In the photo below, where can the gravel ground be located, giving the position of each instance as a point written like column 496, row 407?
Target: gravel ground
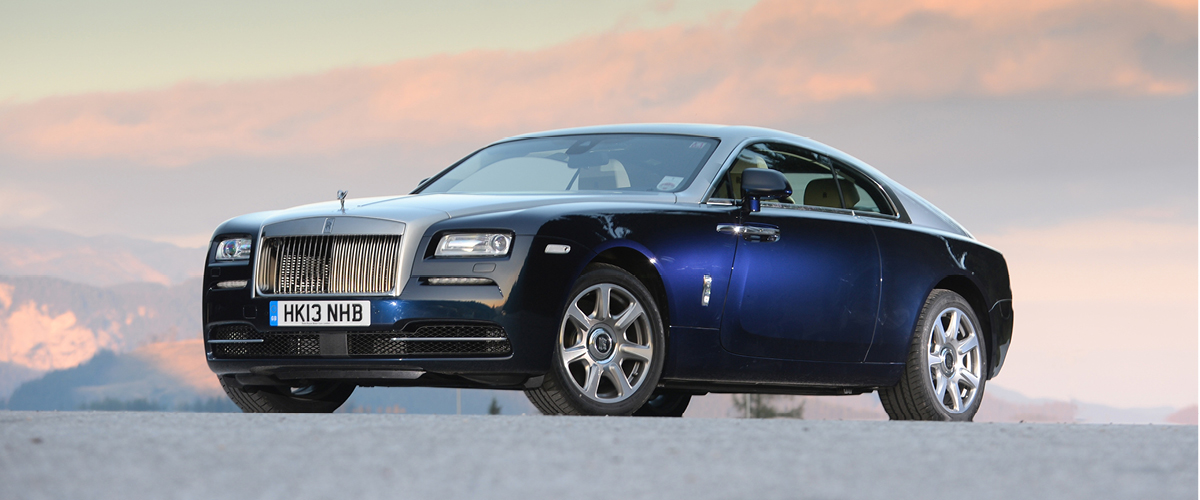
column 99, row 455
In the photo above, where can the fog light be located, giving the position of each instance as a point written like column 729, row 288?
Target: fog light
column 459, row 281
column 232, row 284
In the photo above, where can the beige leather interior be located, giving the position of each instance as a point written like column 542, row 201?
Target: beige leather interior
column 824, row 193
column 608, row 176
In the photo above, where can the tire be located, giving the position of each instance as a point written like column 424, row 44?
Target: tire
column 321, row 397
column 665, row 404
column 934, row 386
column 608, row 355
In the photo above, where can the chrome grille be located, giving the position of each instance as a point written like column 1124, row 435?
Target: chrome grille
column 328, row 264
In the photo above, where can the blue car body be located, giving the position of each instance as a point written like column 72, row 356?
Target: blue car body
column 828, row 307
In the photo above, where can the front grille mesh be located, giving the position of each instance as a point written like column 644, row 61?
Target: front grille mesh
column 432, row 340
column 273, row 345
column 328, row 264
column 428, row 340
column 458, row 331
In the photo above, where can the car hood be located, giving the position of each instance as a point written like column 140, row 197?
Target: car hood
column 433, row 207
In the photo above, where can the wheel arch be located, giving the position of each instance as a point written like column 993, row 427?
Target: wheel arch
column 640, row 265
column 963, row 286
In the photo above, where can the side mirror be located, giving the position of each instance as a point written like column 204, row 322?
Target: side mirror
column 760, row 183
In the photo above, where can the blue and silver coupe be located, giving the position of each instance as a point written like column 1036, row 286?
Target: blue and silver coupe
column 615, row 270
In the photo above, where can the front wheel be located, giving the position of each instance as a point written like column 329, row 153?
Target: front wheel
column 946, row 368
column 318, row 397
column 609, row 350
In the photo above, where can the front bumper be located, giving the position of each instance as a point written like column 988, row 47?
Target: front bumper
column 287, row 354
column 526, row 305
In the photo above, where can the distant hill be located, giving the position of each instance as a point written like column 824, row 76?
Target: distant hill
column 1011, row 406
column 169, row 374
column 13, row 375
column 96, row 260
column 1185, row 416
column 47, row 323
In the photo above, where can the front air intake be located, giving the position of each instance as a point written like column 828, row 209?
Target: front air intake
column 433, row 340
column 241, row 341
column 328, row 264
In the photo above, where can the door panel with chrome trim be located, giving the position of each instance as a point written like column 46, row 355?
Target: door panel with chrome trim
column 812, row 295
column 805, row 282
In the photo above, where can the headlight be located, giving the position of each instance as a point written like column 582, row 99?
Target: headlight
column 235, row 249
column 474, row 245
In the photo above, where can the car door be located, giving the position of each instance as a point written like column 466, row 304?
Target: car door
column 806, row 276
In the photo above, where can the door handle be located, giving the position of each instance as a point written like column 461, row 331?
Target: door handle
column 750, row 233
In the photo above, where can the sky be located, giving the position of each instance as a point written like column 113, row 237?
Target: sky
column 1061, row 132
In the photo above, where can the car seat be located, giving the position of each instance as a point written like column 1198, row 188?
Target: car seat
column 824, row 193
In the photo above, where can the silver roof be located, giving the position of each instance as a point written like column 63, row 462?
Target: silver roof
column 723, row 132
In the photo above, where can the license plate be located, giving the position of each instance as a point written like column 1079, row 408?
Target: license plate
column 321, row 313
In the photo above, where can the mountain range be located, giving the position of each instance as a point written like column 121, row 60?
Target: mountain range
column 48, row 324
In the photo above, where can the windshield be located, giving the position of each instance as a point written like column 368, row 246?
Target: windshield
column 600, row 162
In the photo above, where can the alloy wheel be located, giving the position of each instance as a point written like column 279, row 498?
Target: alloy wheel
column 605, row 343
column 954, row 361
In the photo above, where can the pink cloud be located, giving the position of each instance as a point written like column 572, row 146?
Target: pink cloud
column 761, row 68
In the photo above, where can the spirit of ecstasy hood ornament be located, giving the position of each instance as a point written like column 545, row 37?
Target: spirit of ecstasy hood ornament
column 341, row 194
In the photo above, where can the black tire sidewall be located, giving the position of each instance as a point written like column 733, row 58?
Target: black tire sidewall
column 665, row 404
column 327, row 398
column 594, row 275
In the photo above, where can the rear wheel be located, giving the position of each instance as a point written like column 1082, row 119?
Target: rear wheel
column 609, row 351
column 946, row 371
column 318, row 397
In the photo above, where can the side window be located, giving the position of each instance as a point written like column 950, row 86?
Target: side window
column 861, row 194
column 810, row 174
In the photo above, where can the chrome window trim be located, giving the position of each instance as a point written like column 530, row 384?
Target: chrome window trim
column 843, row 164
column 877, row 215
column 726, row 202
column 806, row 208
